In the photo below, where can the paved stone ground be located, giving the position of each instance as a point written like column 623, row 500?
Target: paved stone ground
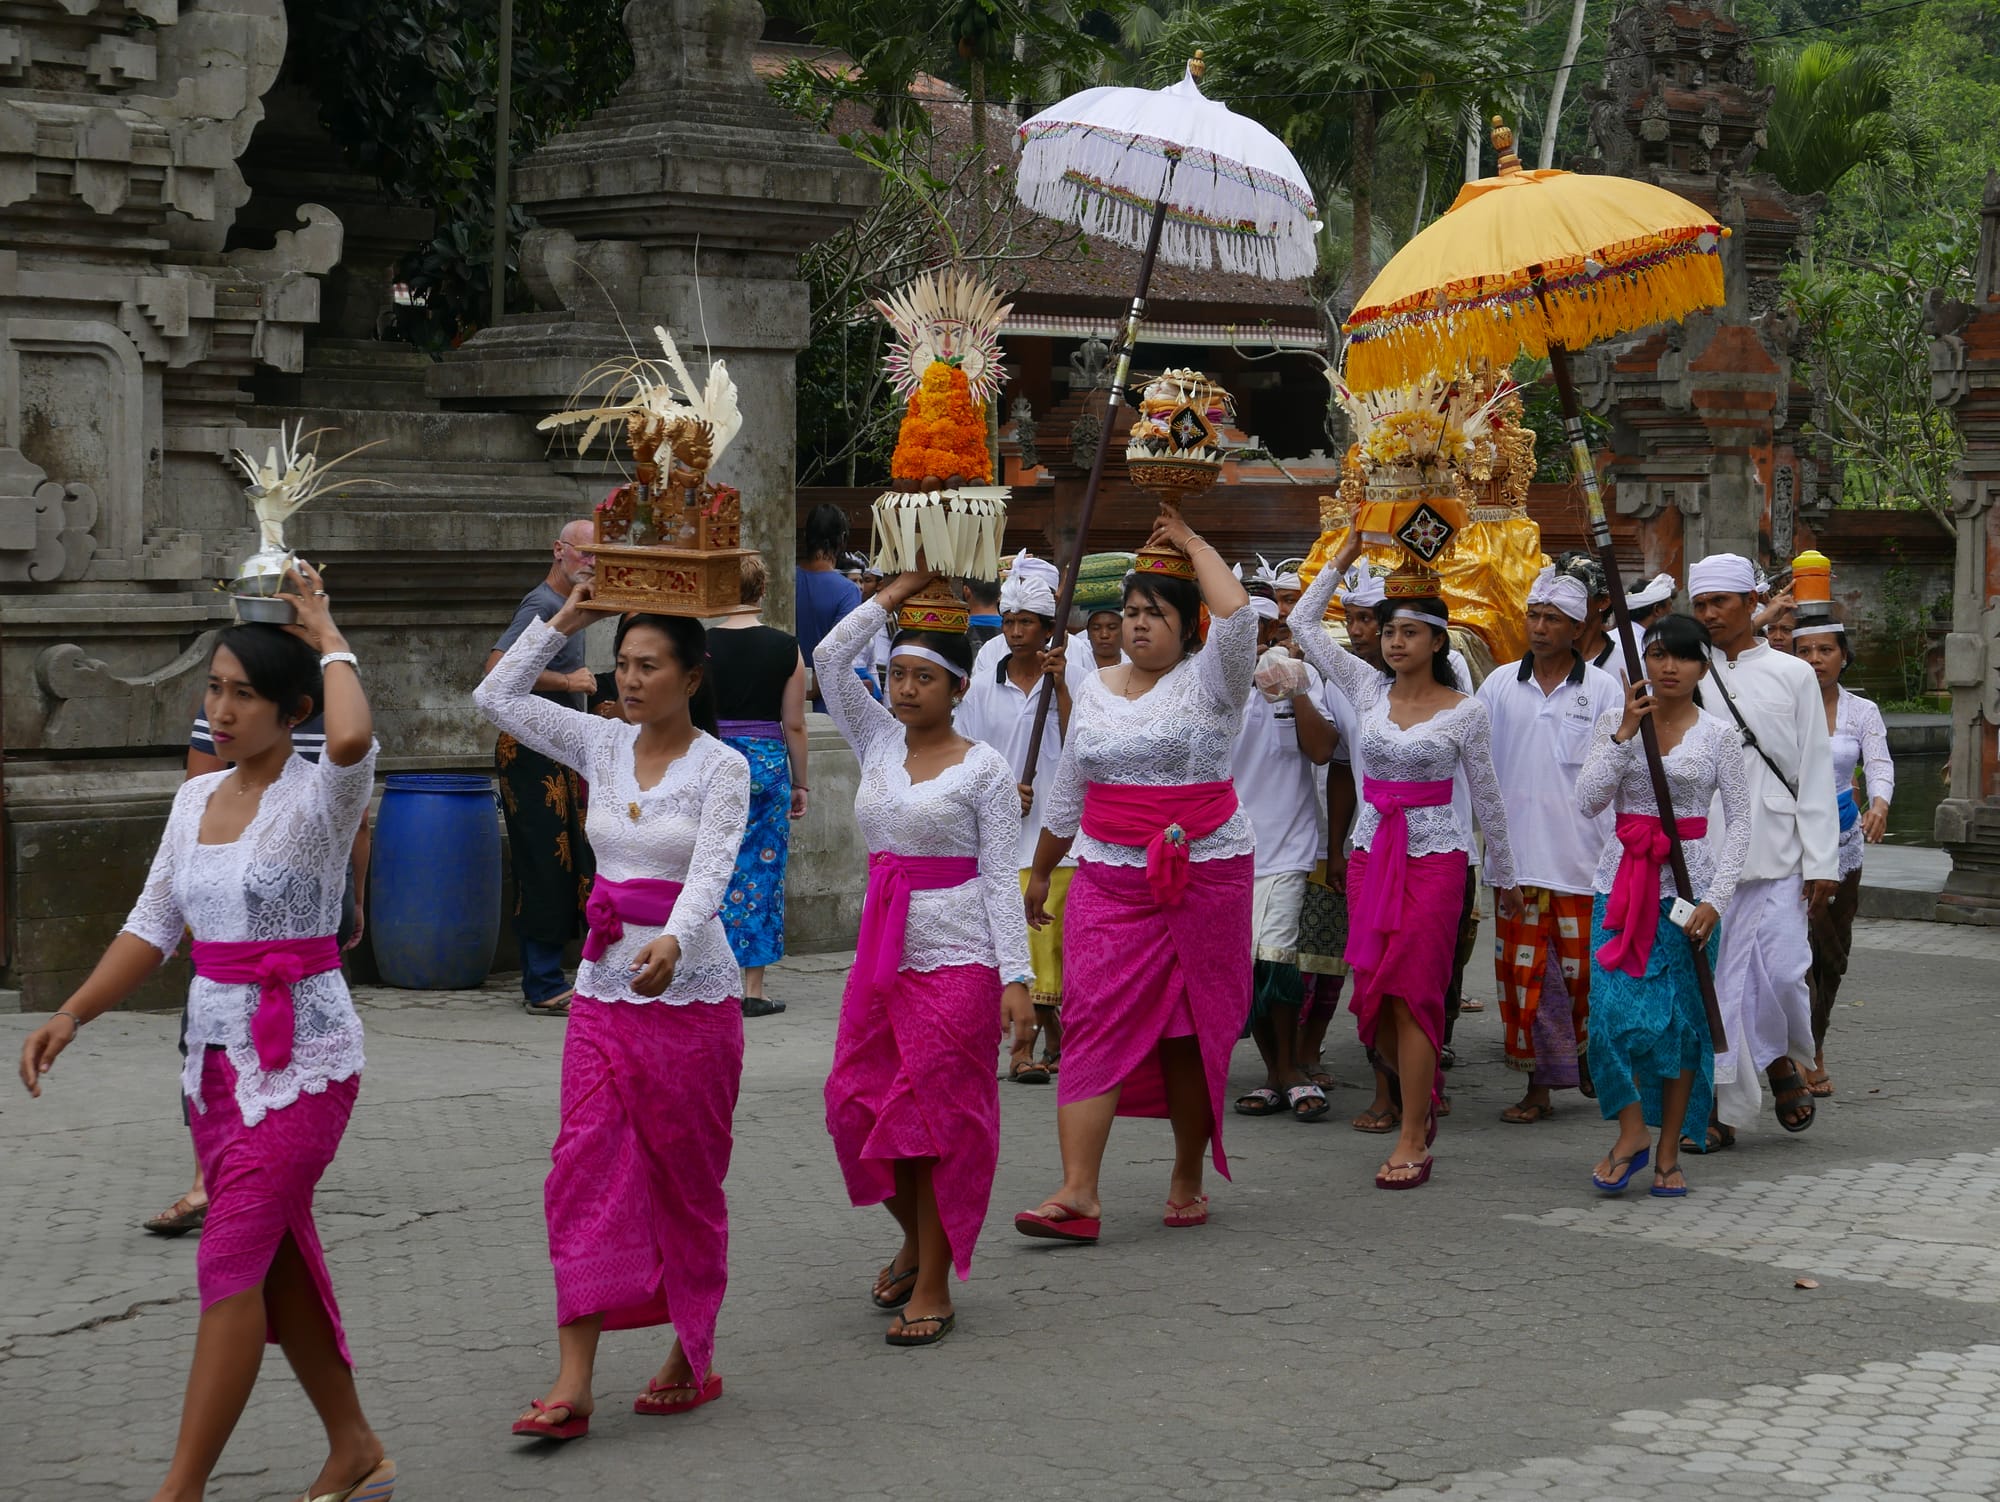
column 1503, row 1333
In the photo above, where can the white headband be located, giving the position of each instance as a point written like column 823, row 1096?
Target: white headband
column 1655, row 591
column 912, row 649
column 1263, row 609
column 1560, row 590
column 1722, row 573
column 1408, row 613
column 1830, row 628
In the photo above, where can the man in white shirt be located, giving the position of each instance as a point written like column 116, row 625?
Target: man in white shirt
column 1283, row 741
column 1543, row 710
column 999, row 708
column 1794, row 860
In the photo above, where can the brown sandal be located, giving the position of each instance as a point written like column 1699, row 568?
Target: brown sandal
column 1378, row 1123
column 179, row 1218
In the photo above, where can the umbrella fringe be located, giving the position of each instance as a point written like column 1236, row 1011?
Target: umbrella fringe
column 1665, row 286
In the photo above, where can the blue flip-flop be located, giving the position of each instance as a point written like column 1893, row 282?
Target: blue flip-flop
column 1660, row 1192
column 1631, row 1165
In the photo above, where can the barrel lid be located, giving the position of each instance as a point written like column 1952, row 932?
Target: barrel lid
column 437, row 782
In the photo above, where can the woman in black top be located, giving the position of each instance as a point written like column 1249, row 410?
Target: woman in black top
column 760, row 691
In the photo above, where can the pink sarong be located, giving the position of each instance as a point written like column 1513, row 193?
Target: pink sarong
column 1136, row 971
column 642, row 899
column 1632, row 913
column 638, row 1222
column 1164, row 820
column 885, row 907
column 260, row 1186
column 273, row 967
column 1416, row 954
column 913, row 1078
column 1378, row 901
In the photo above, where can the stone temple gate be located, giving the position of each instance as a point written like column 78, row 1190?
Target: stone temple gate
column 186, row 261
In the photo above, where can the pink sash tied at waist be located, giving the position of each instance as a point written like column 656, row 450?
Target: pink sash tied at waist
column 273, row 967
column 1379, row 908
column 643, row 899
column 1632, row 912
column 885, row 908
column 1165, row 820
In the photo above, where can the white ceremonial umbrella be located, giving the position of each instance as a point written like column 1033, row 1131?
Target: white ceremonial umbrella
column 1174, row 174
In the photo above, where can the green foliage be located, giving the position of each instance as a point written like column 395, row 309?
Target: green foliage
column 1903, row 624
column 409, row 87
column 1836, row 109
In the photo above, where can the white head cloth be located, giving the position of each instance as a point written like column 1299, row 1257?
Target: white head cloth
column 1271, row 578
column 1263, row 609
column 1361, row 587
column 1722, row 573
column 1030, row 586
column 1660, row 587
column 1823, row 628
column 913, row 649
column 1560, row 590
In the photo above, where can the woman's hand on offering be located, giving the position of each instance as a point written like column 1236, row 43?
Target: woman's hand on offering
column 308, row 600
column 1170, row 529
column 579, row 610
column 893, row 592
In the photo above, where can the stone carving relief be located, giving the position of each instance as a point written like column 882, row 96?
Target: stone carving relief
column 95, row 706
column 44, row 527
column 1784, row 511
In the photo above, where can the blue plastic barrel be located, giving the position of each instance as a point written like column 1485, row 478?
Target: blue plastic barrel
column 434, row 881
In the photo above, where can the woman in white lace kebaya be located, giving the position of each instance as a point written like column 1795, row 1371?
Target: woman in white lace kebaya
column 1860, row 739
column 1156, row 935
column 638, row 1223
column 1406, row 877
column 942, row 959
column 253, row 862
column 1651, row 1055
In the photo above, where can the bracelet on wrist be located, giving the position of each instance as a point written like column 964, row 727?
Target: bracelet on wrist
column 75, row 1022
column 327, row 659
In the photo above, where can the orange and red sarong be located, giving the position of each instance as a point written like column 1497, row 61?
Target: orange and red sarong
column 1550, row 941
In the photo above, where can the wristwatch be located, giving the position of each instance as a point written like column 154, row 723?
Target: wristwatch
column 347, row 657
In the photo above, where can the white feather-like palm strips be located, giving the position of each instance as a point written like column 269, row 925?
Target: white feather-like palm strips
column 666, row 391
column 289, row 477
column 956, row 532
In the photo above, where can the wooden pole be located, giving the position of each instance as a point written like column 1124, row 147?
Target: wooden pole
column 503, row 128
column 1127, row 341
column 1649, row 735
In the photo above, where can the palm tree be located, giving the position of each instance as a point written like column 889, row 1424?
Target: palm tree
column 1834, row 111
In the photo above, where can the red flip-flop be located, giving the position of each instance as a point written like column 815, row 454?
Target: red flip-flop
column 1084, row 1229
column 1193, row 1213
column 572, row 1425
column 654, row 1402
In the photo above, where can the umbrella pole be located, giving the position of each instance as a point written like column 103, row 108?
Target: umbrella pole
column 1128, row 340
column 1649, row 736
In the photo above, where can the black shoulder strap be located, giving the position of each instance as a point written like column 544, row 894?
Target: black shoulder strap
column 1749, row 735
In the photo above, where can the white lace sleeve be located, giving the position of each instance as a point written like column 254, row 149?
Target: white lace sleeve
column 506, row 696
column 1604, row 767
column 1062, row 810
column 725, row 810
column 855, row 711
column 346, row 791
column 999, row 815
column 157, row 917
column 1353, row 676
column 1475, row 755
column 1228, row 659
column 1876, row 764
column 1734, row 787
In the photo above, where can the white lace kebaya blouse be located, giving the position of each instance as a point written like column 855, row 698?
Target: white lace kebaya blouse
column 684, row 828
column 1179, row 731
column 1459, row 739
column 1707, row 762
column 970, row 809
column 282, row 878
column 1860, row 738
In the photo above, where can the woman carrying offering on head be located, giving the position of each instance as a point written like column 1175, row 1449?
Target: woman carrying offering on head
column 1650, row 1052
column 941, row 963
column 1156, row 987
column 1860, row 738
column 253, row 863
column 1406, row 877
column 638, row 1223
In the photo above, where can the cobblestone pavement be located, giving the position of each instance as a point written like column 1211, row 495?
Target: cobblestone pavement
column 1503, row 1333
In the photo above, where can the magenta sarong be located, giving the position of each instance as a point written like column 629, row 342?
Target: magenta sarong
column 1632, row 913
column 260, row 1185
column 273, row 966
column 913, row 1078
column 1136, row 972
column 638, row 1222
column 1416, row 955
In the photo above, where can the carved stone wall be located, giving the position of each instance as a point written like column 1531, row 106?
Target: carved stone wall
column 1965, row 380
column 1708, row 447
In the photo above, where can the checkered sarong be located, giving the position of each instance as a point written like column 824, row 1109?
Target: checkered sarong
column 1552, row 921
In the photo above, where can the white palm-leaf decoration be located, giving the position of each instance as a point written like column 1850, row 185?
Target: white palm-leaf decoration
column 289, row 476
column 662, row 389
column 946, row 316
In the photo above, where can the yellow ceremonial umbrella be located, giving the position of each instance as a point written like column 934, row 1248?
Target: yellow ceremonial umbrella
column 1545, row 262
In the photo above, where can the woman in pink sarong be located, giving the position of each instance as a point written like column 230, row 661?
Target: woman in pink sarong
column 1406, row 878
column 638, row 1223
column 1156, row 936
column 253, row 862
column 912, row 1101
